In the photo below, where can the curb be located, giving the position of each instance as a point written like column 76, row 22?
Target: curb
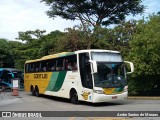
column 144, row 97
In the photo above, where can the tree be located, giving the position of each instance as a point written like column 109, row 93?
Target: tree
column 145, row 55
column 72, row 40
column 17, row 52
column 6, row 59
column 32, row 42
column 95, row 12
column 49, row 43
column 30, row 36
column 116, row 38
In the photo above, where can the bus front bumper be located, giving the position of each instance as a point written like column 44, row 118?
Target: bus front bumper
column 106, row 98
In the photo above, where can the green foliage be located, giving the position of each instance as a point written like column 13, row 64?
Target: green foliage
column 116, row 38
column 74, row 39
column 35, row 45
column 145, row 55
column 14, row 54
column 95, row 12
column 30, row 36
column 49, row 43
column 102, row 38
column 6, row 59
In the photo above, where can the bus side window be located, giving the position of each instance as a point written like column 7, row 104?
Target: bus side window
column 26, row 68
column 36, row 67
column 48, row 67
column 71, row 63
column 40, row 67
column 69, row 67
column 53, row 68
column 74, row 66
column 59, row 64
column 31, row 67
column 44, row 65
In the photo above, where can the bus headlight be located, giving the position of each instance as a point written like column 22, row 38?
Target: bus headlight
column 125, row 89
column 98, row 91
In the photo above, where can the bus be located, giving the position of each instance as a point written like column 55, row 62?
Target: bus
column 8, row 74
column 85, row 75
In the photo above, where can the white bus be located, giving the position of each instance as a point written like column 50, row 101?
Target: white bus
column 85, row 75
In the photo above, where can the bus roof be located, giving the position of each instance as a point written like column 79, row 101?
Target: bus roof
column 9, row 69
column 96, row 50
column 62, row 54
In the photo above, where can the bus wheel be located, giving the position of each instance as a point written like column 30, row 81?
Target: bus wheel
column 74, row 96
column 37, row 91
column 32, row 91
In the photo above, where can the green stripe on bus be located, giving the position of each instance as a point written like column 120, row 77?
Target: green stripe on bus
column 119, row 89
column 66, row 54
column 56, row 81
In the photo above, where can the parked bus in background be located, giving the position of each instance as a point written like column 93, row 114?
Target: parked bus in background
column 7, row 74
column 84, row 75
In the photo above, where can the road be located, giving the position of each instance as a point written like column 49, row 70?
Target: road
column 26, row 102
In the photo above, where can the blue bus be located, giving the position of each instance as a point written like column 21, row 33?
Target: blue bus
column 7, row 74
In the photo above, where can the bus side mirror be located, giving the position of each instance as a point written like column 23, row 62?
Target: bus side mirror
column 131, row 67
column 94, row 66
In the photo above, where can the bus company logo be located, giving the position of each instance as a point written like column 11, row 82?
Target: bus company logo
column 85, row 95
column 72, row 77
column 6, row 114
column 40, row 76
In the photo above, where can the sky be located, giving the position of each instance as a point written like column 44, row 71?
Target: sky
column 23, row 15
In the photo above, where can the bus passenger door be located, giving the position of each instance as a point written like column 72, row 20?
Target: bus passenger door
column 85, row 74
column 85, row 70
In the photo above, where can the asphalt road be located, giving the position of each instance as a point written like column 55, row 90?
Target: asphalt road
column 26, row 102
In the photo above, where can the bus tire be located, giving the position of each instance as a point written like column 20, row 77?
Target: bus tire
column 32, row 91
column 37, row 91
column 74, row 96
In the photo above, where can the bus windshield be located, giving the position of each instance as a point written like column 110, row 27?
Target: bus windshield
column 18, row 74
column 110, row 75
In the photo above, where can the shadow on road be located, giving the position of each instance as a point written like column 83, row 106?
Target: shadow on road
column 64, row 100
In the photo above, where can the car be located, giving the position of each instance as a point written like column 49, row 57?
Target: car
column 5, row 86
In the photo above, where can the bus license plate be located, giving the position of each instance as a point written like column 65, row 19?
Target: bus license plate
column 114, row 97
